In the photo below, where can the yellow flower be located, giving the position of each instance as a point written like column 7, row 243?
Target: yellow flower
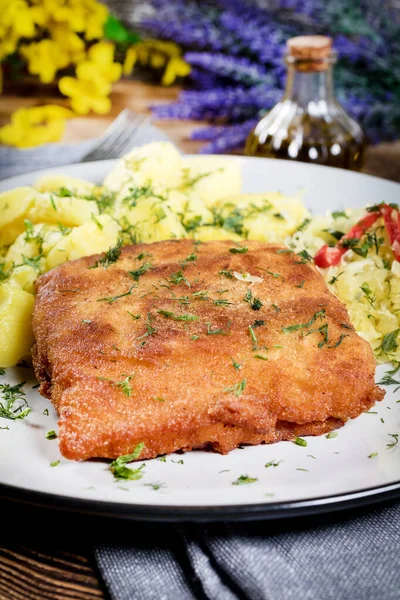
column 45, row 58
column 69, row 42
column 87, row 95
column 100, row 64
column 92, row 85
column 16, row 16
column 33, row 126
column 95, row 22
column 156, row 54
column 176, row 67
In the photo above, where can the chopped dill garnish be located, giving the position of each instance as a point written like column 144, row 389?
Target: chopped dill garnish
column 155, row 486
column 319, row 314
column 258, row 323
column 255, row 303
column 276, row 308
column 124, row 384
column 64, row 230
column 53, row 204
column 135, row 317
column 253, row 337
column 335, row 278
column 389, row 342
column 243, row 479
column 303, row 225
column 46, row 412
column 201, row 295
column 110, row 257
column 51, row 435
column 13, row 404
column 214, row 331
column 331, row 435
column 273, row 463
column 228, row 274
column 305, row 257
column 191, row 258
column 221, row 302
column 373, row 455
column 86, row 321
column 261, row 357
column 55, row 463
column 194, row 337
column 141, row 271
column 368, row 293
column 339, row 213
column 395, row 440
column 97, row 222
column 301, row 285
column 177, row 278
column 171, row 315
column 300, row 442
column 112, row 299
column 149, row 327
column 236, row 365
column 237, row 388
column 121, row 471
column 238, row 250
column 33, row 262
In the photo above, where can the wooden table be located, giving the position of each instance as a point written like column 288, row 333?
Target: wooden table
column 382, row 160
column 49, row 556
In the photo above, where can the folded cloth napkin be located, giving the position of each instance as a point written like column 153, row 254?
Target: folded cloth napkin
column 319, row 558
column 338, row 557
column 13, row 161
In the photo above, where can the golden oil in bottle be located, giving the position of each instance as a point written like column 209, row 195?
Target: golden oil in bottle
column 308, row 124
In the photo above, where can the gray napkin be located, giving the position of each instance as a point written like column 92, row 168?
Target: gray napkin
column 13, row 161
column 340, row 558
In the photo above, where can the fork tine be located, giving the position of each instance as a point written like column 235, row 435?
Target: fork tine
column 117, row 136
column 125, row 141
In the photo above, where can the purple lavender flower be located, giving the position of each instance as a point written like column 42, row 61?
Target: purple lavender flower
column 231, row 138
column 236, row 51
column 237, row 69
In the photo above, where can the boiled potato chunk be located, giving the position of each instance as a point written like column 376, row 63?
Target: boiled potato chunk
column 158, row 163
column 208, row 234
column 211, row 177
column 16, row 338
column 14, row 206
column 154, row 221
column 89, row 238
column 69, row 211
column 25, row 276
column 52, row 183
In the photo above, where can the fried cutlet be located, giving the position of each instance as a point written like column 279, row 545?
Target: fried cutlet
column 185, row 345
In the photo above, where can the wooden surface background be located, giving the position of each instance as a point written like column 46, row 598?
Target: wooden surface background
column 49, row 557
column 382, row 160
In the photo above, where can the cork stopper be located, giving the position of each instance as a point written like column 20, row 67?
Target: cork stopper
column 310, row 52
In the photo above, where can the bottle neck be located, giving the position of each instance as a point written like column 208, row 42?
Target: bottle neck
column 307, row 87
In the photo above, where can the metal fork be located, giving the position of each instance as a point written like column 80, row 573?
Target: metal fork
column 119, row 137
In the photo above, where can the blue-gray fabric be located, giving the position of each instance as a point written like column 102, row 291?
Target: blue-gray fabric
column 15, row 162
column 356, row 558
column 338, row 558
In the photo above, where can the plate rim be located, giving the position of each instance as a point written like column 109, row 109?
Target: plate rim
column 236, row 157
column 201, row 513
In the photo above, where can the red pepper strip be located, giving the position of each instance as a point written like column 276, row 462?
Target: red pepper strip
column 391, row 216
column 328, row 256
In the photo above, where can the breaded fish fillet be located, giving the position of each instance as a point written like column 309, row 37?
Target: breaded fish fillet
column 185, row 345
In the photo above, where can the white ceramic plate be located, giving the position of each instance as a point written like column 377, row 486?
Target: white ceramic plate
column 328, row 474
